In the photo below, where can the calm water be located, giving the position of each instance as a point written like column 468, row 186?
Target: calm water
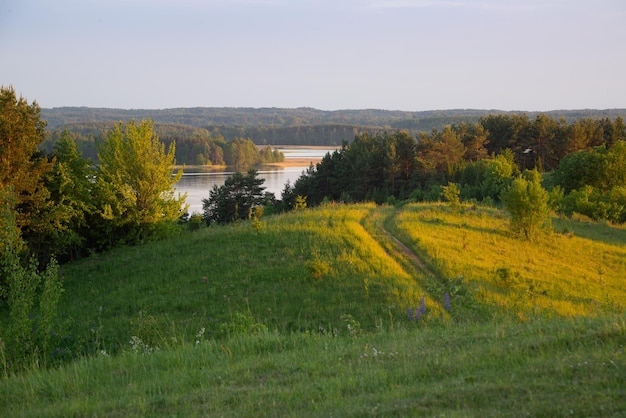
column 197, row 182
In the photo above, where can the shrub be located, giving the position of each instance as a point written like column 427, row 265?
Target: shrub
column 527, row 202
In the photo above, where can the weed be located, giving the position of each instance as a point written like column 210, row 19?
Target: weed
column 146, row 332
column 352, row 325
column 318, row 268
column 242, row 324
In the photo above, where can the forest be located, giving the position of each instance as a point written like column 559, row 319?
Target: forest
column 73, row 192
column 202, row 134
column 582, row 164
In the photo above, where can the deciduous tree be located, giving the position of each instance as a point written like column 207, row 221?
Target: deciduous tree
column 23, row 166
column 135, row 179
column 498, row 174
column 527, row 202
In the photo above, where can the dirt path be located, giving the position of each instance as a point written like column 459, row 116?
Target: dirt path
column 410, row 255
column 398, row 248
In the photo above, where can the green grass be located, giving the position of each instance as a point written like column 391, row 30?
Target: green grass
column 579, row 273
column 546, row 368
column 305, row 314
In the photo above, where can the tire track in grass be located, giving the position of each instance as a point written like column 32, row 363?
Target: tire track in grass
column 464, row 304
column 428, row 280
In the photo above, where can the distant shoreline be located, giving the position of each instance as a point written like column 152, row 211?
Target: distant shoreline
column 295, row 162
column 291, row 162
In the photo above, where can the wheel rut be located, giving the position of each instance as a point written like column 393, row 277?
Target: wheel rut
column 392, row 244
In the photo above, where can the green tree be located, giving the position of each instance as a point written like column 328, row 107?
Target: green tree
column 23, row 166
column 135, row 180
column 71, row 188
column 499, row 174
column 528, row 204
column 614, row 168
column 440, row 150
column 242, row 154
column 452, row 194
column 235, row 200
column 474, row 138
column 31, row 296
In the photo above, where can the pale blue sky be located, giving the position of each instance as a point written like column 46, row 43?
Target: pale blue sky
column 328, row 54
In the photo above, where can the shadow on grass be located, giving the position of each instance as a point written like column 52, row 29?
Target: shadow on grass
column 595, row 231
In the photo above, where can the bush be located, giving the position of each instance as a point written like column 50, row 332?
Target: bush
column 527, row 202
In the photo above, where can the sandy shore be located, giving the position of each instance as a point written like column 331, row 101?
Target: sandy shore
column 295, row 162
column 291, row 162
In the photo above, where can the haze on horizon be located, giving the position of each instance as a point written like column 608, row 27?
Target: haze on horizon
column 409, row 55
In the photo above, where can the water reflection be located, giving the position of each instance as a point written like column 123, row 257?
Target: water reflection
column 197, row 182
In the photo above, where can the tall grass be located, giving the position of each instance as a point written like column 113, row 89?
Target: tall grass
column 305, row 314
column 499, row 369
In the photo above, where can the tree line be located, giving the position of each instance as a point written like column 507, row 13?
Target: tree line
column 60, row 204
column 194, row 146
column 583, row 164
column 65, row 203
column 240, row 117
column 541, row 138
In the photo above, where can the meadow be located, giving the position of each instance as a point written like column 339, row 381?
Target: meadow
column 307, row 314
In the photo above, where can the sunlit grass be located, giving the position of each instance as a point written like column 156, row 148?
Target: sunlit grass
column 295, row 272
column 305, row 314
column 563, row 274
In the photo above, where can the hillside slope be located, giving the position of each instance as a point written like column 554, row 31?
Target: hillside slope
column 306, row 314
column 310, row 271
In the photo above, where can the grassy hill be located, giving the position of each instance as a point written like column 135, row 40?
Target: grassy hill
column 306, row 314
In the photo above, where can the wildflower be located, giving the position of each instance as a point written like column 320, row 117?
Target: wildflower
column 446, row 301
column 418, row 314
column 199, row 335
column 410, row 313
column 423, row 306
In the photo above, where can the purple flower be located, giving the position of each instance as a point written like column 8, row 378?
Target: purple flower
column 423, row 306
column 410, row 313
column 418, row 314
column 446, row 301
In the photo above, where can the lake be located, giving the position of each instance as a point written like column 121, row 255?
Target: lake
column 197, row 182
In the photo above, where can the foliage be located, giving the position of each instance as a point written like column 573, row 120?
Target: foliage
column 32, row 298
column 22, row 168
column 595, row 183
column 451, row 194
column 499, row 173
column 71, row 187
column 237, row 199
column 300, row 203
column 136, row 181
column 242, row 324
column 591, row 202
column 528, row 204
column 440, row 150
column 242, row 154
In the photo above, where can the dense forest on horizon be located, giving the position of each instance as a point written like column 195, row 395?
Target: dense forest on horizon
column 201, row 134
column 244, row 117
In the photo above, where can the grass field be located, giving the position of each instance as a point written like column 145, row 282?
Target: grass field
column 306, row 314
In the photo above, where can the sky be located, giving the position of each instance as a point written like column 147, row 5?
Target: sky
column 525, row 55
